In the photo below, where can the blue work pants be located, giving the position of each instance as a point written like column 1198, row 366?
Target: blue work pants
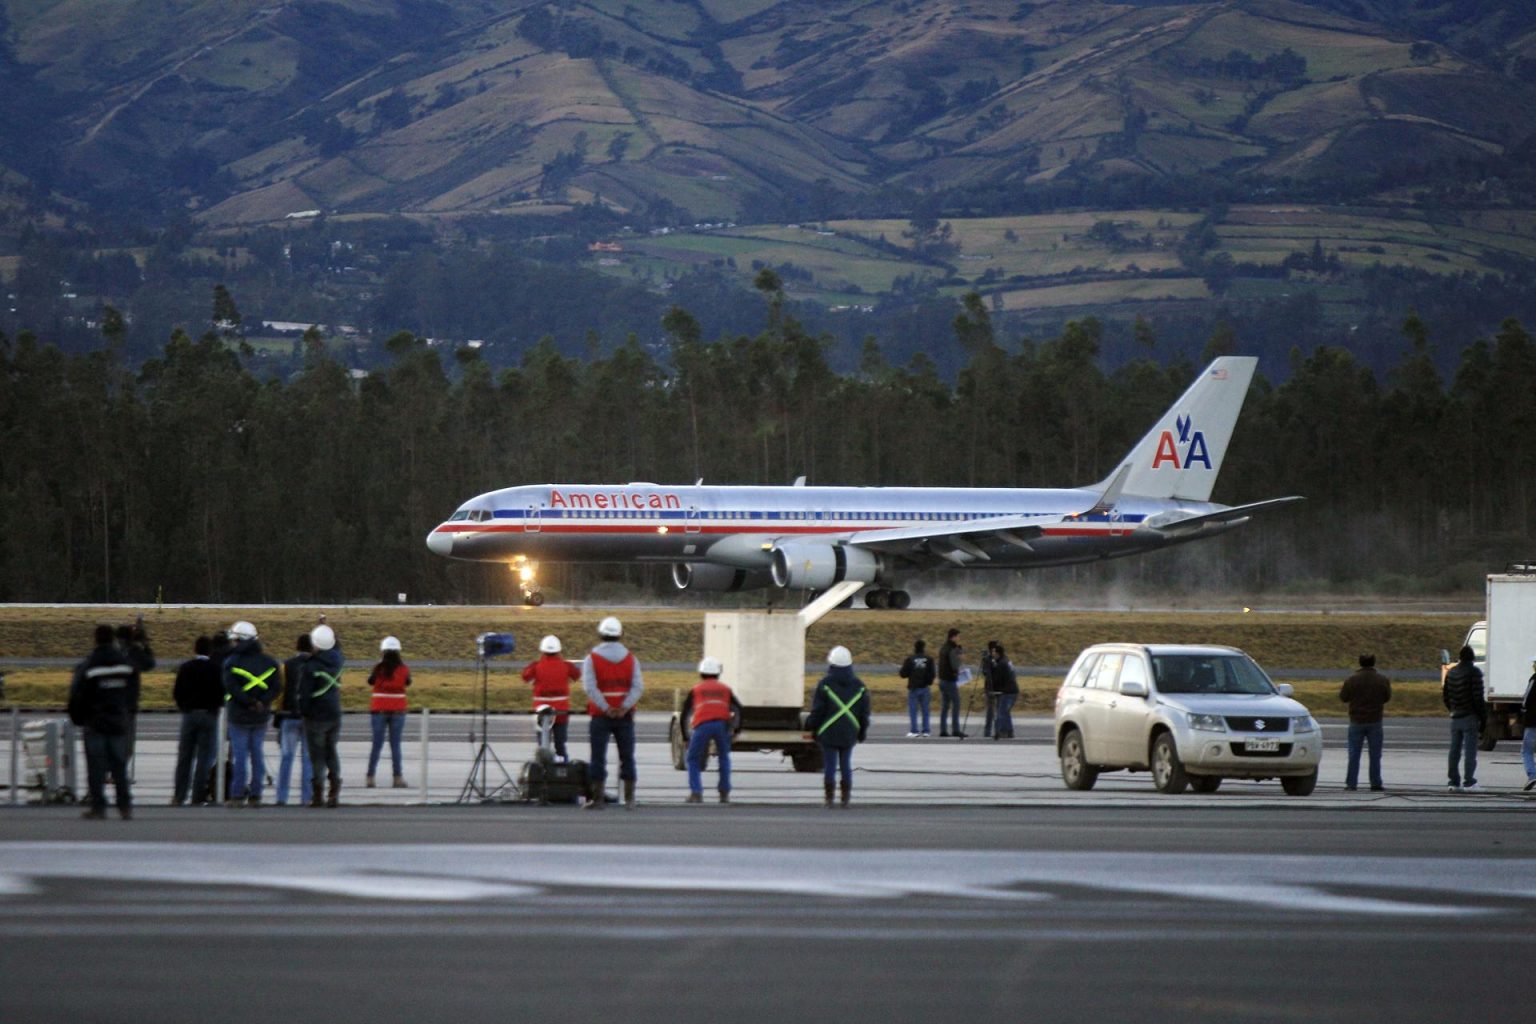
column 623, row 732
column 834, row 757
column 949, row 707
column 394, row 723
column 1003, row 726
column 245, row 742
column 1528, row 752
column 1464, row 730
column 1362, row 734
column 718, row 732
column 920, row 699
column 105, row 754
column 290, row 739
column 196, row 749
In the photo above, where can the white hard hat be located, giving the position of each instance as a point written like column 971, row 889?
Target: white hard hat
column 550, row 644
column 610, row 628
column 710, row 667
column 840, row 656
column 323, row 638
column 242, row 630
column 389, row 643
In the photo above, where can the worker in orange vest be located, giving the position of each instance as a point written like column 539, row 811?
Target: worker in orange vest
column 388, row 679
column 551, row 677
column 710, row 703
column 611, row 677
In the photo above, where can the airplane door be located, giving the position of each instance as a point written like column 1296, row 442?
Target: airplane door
column 531, row 519
column 691, row 522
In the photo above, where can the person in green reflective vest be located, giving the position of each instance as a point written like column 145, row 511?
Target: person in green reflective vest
column 839, row 719
column 320, row 707
column 252, row 684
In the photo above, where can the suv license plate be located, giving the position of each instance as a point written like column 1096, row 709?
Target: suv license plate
column 1261, row 746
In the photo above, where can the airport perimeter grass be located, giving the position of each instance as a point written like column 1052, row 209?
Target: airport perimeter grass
column 1328, row 643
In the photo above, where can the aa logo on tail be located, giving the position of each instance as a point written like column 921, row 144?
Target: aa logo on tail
column 1191, row 442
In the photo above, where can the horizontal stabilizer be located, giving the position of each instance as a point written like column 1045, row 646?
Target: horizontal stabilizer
column 1235, row 514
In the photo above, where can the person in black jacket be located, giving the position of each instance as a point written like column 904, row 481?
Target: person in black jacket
column 291, row 738
column 103, row 700
column 951, row 658
column 320, row 707
column 839, row 719
column 1463, row 697
column 199, row 694
column 1006, row 683
column 918, row 671
column 989, row 686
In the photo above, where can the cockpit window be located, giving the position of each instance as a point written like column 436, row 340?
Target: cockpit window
column 459, row 516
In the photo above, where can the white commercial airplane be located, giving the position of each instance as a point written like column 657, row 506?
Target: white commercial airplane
column 736, row 538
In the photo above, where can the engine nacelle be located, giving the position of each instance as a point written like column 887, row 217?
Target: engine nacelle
column 815, row 566
column 709, row 576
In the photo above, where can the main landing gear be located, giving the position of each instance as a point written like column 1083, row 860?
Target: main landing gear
column 880, row 597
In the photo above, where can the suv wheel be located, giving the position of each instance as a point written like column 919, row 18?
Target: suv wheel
column 1298, row 785
column 1076, row 772
column 1205, row 783
column 1167, row 770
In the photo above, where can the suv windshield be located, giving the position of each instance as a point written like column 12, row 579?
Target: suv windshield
column 1209, row 673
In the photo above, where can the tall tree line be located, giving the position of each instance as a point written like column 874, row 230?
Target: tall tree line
column 196, row 479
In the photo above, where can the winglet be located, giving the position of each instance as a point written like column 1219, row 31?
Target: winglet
column 1111, row 493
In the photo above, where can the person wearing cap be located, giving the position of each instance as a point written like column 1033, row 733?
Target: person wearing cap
column 611, row 677
column 839, row 719
column 1367, row 693
column 918, row 671
column 290, row 726
column 551, row 677
column 709, row 710
column 1528, row 737
column 386, row 708
column 320, row 706
column 251, row 686
column 103, row 700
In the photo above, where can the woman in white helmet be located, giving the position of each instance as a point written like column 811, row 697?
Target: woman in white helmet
column 551, row 676
column 386, row 708
column 839, row 719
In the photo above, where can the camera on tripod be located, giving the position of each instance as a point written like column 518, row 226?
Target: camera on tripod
column 492, row 645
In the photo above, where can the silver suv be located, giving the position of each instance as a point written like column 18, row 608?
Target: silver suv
column 1193, row 715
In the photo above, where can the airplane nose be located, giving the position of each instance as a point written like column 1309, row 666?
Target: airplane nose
column 440, row 542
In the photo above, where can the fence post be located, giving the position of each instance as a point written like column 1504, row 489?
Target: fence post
column 426, row 749
column 218, row 757
column 15, row 754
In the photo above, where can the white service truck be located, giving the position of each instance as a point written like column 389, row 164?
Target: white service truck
column 1503, row 646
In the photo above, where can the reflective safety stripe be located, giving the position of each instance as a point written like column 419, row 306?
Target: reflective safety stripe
column 330, row 682
column 255, row 680
column 842, row 709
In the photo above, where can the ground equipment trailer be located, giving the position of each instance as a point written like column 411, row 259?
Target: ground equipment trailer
column 763, row 654
column 1504, row 645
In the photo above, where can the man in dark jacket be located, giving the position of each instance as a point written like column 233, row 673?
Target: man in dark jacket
column 291, row 738
column 951, row 657
column 251, row 686
column 1463, row 697
column 199, row 694
column 1528, row 737
column 918, row 671
column 1366, row 692
column 103, row 700
column 320, row 707
column 989, row 685
column 839, row 718
column 1006, row 684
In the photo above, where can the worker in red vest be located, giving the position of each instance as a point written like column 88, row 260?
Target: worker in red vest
column 710, row 704
column 611, row 677
column 388, row 679
column 551, row 677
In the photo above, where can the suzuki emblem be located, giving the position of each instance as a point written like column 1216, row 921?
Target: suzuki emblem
column 1259, row 725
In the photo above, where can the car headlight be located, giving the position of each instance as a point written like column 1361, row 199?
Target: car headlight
column 1306, row 723
column 1207, row 723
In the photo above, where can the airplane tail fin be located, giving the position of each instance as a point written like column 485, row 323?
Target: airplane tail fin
column 1181, row 455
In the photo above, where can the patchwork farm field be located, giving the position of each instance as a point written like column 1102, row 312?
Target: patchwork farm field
column 1328, row 643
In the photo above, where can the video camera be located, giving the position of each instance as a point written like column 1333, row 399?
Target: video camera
column 491, row 645
column 134, row 634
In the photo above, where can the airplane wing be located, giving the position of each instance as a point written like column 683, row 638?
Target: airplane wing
column 1236, row 514
column 956, row 542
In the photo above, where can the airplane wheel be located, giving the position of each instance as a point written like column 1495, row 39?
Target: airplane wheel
column 535, row 599
column 900, row 600
column 877, row 599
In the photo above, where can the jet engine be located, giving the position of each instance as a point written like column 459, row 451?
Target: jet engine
column 708, row 576
column 815, row 566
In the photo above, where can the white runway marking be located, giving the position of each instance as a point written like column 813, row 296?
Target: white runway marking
column 460, row 873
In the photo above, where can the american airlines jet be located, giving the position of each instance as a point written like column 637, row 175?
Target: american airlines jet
column 736, row 538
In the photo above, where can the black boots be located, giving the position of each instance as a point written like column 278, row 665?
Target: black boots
column 334, row 797
column 317, row 793
column 847, row 790
column 829, row 788
column 629, row 794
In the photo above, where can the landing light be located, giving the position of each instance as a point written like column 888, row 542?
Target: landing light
column 661, row 529
column 525, row 574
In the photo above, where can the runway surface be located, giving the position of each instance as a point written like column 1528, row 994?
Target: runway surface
column 965, row 883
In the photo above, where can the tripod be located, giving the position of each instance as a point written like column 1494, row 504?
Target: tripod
column 480, row 787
